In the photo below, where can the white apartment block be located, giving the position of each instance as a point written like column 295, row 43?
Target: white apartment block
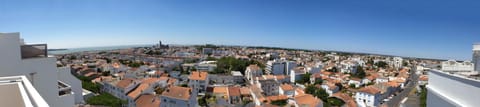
column 314, row 68
column 297, row 74
column 452, row 65
column 280, row 67
column 397, row 62
column 274, row 67
column 55, row 85
column 348, row 66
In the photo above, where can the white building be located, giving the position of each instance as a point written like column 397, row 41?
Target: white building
column 297, row 74
column 314, row 68
column 355, row 81
column 120, row 88
column 348, row 66
column 178, row 97
column 368, row 97
column 198, row 81
column 32, row 61
column 330, row 88
column 237, row 77
column 275, row 67
column 398, row 62
column 202, row 66
column 452, row 65
column 207, row 51
column 286, row 89
column 269, row 86
column 253, row 71
column 381, row 80
column 280, row 67
column 476, row 56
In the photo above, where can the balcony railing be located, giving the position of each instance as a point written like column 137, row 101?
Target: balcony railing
column 34, row 51
column 63, row 89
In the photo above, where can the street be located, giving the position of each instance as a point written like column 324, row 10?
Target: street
column 413, row 78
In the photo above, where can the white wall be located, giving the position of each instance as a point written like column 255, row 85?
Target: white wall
column 370, row 100
column 459, row 90
column 64, row 75
column 45, row 69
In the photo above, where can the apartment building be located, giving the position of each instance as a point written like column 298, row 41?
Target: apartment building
column 452, row 65
column 368, row 97
column 120, row 87
column 17, row 91
column 55, row 85
column 178, row 97
column 280, row 67
column 253, row 71
column 198, row 81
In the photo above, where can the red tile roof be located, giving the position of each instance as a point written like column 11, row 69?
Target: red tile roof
column 148, row 101
column 234, row 91
column 181, row 93
column 308, row 101
column 198, row 75
column 125, row 82
column 369, row 90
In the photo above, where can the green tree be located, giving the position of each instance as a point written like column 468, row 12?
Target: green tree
column 305, row 78
column 159, row 90
column 352, row 86
column 318, row 81
column 106, row 100
column 405, row 63
column 227, row 64
column 202, row 101
column 423, row 97
column 88, row 85
column 335, row 101
column 211, row 59
column 381, row 64
column 317, row 92
column 322, row 94
column 334, row 69
column 360, row 73
column 279, row 102
column 184, row 85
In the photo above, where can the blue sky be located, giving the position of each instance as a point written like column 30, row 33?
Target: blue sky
column 421, row 28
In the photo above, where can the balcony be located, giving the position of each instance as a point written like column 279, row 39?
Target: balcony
column 17, row 91
column 34, row 51
column 64, row 89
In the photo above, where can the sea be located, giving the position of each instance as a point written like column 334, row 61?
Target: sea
column 103, row 48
